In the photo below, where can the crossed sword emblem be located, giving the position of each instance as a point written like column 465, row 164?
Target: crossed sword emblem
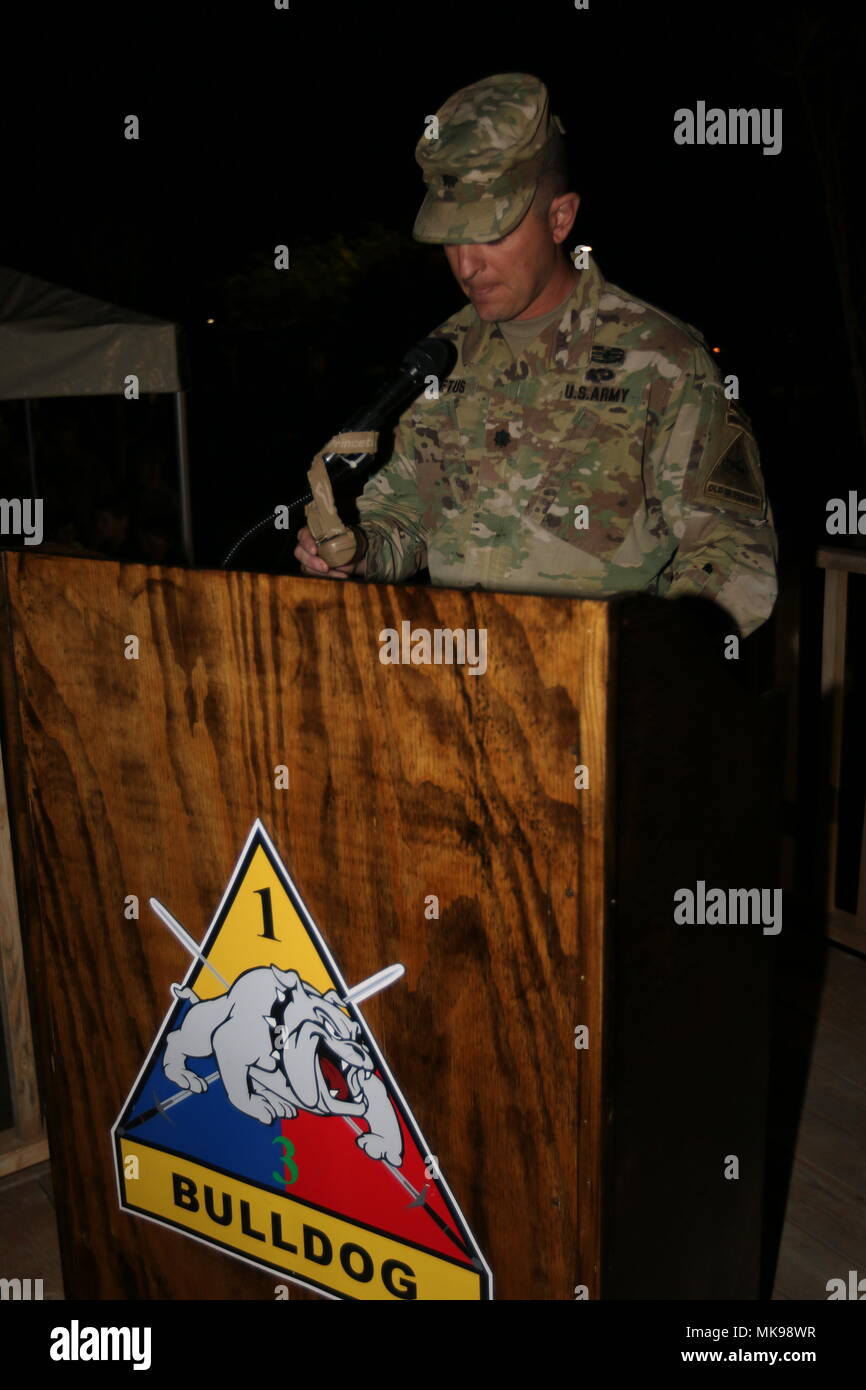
column 372, row 985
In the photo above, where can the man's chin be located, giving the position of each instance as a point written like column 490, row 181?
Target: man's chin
column 487, row 310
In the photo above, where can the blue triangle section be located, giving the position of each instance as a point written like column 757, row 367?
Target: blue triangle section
column 206, row 1126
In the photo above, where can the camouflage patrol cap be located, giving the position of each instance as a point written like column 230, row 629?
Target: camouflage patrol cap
column 495, row 140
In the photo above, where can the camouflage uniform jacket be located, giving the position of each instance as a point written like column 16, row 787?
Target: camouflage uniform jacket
column 605, row 459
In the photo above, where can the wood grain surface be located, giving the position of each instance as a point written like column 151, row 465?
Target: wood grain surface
column 25, row 1138
column 144, row 777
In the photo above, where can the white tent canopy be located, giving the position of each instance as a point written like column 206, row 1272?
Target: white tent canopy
column 56, row 342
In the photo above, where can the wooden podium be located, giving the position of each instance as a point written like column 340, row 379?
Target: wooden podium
column 589, row 1074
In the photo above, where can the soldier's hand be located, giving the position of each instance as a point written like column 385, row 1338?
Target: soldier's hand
column 312, row 564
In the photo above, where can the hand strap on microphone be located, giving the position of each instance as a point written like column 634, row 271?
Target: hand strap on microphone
column 337, row 544
column 353, row 442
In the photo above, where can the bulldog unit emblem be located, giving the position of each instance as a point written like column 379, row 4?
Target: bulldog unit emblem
column 265, row 1120
column 320, row 1062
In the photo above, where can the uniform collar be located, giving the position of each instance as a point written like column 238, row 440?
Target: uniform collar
column 565, row 347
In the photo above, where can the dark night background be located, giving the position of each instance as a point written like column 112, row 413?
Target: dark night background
column 263, row 127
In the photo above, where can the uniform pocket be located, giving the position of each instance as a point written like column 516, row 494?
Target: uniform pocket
column 560, row 440
column 595, row 488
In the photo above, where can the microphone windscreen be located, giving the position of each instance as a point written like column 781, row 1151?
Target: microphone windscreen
column 432, row 357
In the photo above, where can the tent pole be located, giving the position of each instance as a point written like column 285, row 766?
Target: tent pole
column 183, row 474
column 31, row 455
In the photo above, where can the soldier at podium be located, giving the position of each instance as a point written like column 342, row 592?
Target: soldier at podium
column 583, row 443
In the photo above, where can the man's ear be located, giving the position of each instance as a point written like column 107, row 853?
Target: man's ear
column 563, row 211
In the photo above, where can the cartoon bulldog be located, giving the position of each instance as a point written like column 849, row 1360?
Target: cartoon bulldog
column 281, row 1046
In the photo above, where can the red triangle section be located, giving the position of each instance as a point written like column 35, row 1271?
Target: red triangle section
column 334, row 1173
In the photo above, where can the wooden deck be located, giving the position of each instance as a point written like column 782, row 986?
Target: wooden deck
column 824, row 1231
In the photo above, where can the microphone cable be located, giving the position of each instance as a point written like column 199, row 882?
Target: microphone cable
column 345, row 465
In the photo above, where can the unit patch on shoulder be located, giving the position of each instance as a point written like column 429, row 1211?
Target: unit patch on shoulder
column 265, row 1121
column 729, row 478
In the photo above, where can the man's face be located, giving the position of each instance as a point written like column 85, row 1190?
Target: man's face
column 506, row 279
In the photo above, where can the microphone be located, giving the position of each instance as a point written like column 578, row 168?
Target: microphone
column 429, row 357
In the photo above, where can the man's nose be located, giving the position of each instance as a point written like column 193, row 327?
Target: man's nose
column 470, row 259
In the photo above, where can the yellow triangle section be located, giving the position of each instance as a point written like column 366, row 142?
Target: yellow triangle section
column 241, row 944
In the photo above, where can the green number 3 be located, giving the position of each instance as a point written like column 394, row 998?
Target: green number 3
column 290, row 1164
